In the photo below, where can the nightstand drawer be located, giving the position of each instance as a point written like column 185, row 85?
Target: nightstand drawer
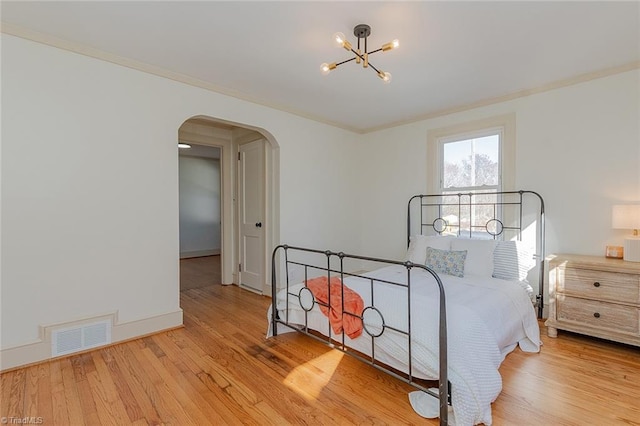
column 611, row 286
column 593, row 313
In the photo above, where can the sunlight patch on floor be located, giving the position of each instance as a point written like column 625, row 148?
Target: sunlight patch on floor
column 310, row 378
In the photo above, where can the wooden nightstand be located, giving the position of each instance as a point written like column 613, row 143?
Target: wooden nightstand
column 595, row 296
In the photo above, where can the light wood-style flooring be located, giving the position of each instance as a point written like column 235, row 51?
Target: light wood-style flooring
column 198, row 272
column 219, row 369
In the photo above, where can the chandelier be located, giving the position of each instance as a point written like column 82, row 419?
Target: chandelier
column 361, row 31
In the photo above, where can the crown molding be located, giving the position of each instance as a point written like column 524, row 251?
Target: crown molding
column 82, row 49
column 79, row 48
column 582, row 78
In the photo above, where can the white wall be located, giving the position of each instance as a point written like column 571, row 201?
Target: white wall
column 88, row 192
column 199, row 197
column 90, row 186
column 578, row 146
column 90, row 180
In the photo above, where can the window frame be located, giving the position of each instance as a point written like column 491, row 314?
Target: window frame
column 499, row 131
column 435, row 145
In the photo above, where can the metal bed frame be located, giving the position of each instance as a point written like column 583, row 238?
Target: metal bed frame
column 443, row 385
column 506, row 215
column 495, row 227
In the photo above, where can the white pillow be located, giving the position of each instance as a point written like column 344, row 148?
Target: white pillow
column 512, row 260
column 479, row 261
column 417, row 251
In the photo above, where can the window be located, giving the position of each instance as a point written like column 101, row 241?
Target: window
column 454, row 144
column 470, row 164
column 472, row 158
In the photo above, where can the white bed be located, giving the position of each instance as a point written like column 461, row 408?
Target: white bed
column 489, row 302
column 487, row 319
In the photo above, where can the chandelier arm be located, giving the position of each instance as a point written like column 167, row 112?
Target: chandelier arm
column 358, row 54
column 374, row 68
column 344, row 62
column 375, row 51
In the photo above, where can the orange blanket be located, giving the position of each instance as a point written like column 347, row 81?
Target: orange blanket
column 353, row 304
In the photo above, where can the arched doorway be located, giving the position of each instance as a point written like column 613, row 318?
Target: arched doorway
column 228, row 136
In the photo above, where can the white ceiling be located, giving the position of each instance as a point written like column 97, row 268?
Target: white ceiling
column 452, row 54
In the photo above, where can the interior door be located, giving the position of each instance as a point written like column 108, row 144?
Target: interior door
column 251, row 208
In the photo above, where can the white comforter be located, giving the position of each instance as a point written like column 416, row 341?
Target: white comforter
column 486, row 319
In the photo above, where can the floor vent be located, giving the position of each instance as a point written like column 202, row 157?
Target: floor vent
column 79, row 338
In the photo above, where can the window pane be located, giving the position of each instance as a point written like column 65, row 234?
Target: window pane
column 472, row 216
column 471, row 162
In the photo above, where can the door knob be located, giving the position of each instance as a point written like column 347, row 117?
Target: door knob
column 259, row 225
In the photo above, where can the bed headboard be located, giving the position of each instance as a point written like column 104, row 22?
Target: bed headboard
column 506, row 215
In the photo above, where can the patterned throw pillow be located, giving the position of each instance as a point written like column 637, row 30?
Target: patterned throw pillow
column 416, row 252
column 446, row 261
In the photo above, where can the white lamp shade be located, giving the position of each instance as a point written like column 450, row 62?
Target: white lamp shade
column 626, row 217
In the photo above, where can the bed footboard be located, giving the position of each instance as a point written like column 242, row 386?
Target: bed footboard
column 332, row 265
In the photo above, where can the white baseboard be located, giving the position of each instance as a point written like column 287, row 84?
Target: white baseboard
column 40, row 350
column 199, row 253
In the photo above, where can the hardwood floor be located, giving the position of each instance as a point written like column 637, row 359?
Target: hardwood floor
column 220, row 369
column 198, row 272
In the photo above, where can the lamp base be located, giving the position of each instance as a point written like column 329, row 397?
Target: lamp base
column 632, row 249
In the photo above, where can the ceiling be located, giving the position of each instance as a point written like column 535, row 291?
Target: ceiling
column 452, row 55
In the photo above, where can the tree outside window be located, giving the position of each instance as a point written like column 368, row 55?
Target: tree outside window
column 471, row 166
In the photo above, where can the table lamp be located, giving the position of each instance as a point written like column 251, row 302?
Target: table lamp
column 628, row 217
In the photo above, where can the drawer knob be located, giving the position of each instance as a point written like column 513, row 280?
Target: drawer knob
column 596, row 284
column 596, row 314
